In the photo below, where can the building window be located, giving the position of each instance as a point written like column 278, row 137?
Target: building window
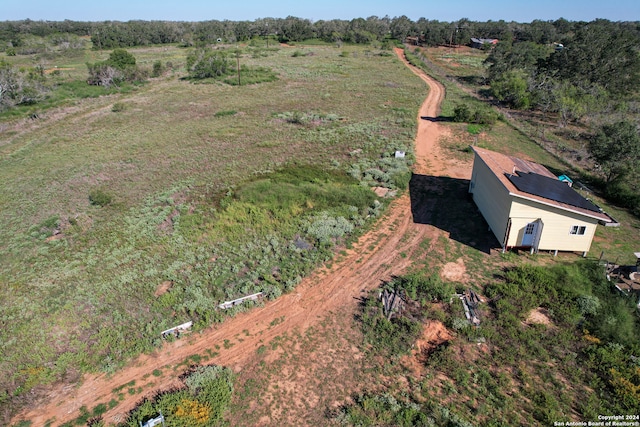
column 578, row 229
column 529, row 229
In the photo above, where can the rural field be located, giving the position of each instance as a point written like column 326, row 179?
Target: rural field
column 212, row 185
column 132, row 212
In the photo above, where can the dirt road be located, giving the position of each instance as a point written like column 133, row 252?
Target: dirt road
column 374, row 258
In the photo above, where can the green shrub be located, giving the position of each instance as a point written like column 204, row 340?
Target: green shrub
column 485, row 117
column 419, row 286
column 213, row 385
column 394, row 337
column 121, row 59
column 401, row 180
column 207, row 63
column 158, row 69
column 118, row 107
column 225, row 113
column 461, row 113
column 588, row 304
column 100, row 197
column 325, row 228
column 474, row 129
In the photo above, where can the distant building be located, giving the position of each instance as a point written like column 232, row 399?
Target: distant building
column 526, row 206
column 415, row 40
column 480, row 43
column 412, row 40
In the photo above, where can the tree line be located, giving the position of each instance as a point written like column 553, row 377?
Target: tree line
column 116, row 34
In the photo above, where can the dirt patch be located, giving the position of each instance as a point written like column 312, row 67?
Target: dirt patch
column 163, row 288
column 539, row 316
column 381, row 191
column 434, row 334
column 455, row 271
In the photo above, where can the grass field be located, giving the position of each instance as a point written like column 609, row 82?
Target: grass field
column 182, row 164
column 219, row 191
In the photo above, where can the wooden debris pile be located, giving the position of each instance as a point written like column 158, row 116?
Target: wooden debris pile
column 470, row 301
column 393, row 302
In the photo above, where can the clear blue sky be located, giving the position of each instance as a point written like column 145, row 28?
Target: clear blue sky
column 235, row 10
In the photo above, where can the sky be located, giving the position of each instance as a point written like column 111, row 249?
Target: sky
column 239, row 10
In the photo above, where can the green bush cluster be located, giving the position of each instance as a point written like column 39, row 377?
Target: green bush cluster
column 201, row 403
column 388, row 171
column 119, row 107
column 482, row 116
column 46, row 228
column 158, row 69
column 386, row 409
column 301, row 118
column 326, row 228
column 120, row 67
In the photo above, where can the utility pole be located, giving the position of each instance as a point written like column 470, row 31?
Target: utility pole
column 238, row 63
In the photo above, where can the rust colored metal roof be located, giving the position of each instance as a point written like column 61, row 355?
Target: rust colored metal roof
column 504, row 166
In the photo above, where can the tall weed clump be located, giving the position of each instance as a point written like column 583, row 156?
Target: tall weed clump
column 202, row 402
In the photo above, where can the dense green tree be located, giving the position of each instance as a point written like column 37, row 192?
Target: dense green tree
column 401, row 27
column 539, row 32
column 242, row 31
column 380, row 27
column 602, row 53
column 616, row 149
column 296, row 29
column 121, row 59
column 506, row 57
column 492, row 30
column 512, row 88
column 433, row 33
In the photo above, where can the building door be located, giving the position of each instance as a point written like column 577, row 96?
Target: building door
column 529, row 234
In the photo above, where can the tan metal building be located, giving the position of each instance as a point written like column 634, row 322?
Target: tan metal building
column 526, row 206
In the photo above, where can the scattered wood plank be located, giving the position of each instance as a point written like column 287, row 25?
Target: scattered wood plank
column 392, row 302
column 154, row 421
column 177, row 330
column 470, row 301
column 228, row 304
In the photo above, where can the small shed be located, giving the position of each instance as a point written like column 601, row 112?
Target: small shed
column 479, row 43
column 526, row 206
